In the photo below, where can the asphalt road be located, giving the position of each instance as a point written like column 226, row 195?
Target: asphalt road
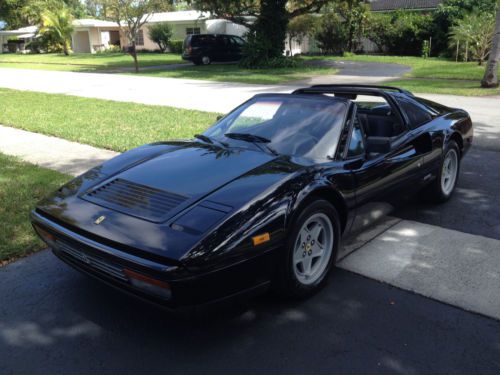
column 475, row 207
column 59, row 321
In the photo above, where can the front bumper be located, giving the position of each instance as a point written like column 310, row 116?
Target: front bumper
column 203, row 287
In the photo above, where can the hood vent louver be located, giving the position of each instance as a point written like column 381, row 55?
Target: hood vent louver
column 134, row 199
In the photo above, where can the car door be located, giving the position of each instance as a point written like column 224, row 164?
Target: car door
column 382, row 179
column 236, row 48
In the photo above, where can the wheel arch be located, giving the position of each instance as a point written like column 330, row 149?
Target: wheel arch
column 457, row 137
column 328, row 194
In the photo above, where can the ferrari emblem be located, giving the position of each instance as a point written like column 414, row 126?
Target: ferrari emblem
column 99, row 220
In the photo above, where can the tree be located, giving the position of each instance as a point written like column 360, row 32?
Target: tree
column 491, row 75
column 402, row 32
column 354, row 14
column 57, row 27
column 160, row 33
column 299, row 28
column 452, row 11
column 131, row 15
column 475, row 31
column 266, row 19
column 331, row 34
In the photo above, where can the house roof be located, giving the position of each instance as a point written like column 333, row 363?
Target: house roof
column 186, row 15
column 388, row 5
column 21, row 31
column 87, row 22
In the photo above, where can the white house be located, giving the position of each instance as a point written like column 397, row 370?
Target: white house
column 25, row 34
column 92, row 35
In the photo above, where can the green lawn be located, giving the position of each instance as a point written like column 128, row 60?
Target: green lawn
column 84, row 61
column 433, row 75
column 21, row 186
column 443, row 86
column 107, row 124
column 233, row 73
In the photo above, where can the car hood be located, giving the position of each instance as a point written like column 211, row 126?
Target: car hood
column 194, row 170
column 141, row 194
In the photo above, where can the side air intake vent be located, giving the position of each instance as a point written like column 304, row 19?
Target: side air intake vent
column 135, row 199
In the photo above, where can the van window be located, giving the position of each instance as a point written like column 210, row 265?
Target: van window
column 202, row 40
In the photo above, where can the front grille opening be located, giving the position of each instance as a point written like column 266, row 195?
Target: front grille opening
column 135, row 199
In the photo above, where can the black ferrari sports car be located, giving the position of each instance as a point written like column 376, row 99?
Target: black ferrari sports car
column 261, row 199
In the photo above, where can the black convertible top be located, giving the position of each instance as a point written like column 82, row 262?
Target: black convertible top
column 361, row 89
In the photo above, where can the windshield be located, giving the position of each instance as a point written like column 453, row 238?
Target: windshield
column 290, row 125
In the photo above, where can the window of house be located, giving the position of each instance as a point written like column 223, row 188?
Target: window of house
column 139, row 39
column 193, row 30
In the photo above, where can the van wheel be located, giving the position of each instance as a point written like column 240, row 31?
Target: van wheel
column 205, row 60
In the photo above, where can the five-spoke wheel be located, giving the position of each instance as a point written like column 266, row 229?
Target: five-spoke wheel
column 313, row 240
column 313, row 248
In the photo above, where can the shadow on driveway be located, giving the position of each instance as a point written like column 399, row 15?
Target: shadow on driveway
column 55, row 320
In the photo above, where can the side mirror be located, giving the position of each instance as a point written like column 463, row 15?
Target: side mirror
column 220, row 117
column 378, row 145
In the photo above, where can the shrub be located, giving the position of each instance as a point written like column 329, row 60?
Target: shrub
column 331, row 34
column 402, row 32
column 160, row 33
column 175, row 46
column 473, row 35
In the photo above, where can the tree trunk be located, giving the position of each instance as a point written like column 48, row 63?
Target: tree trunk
column 490, row 78
column 271, row 27
column 133, row 53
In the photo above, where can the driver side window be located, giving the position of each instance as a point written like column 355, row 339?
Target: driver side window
column 356, row 143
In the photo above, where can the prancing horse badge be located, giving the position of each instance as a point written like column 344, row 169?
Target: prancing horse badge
column 99, row 220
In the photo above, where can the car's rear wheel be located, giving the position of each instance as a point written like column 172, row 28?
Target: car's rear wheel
column 311, row 250
column 444, row 185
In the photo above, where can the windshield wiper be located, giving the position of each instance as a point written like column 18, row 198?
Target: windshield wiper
column 255, row 139
column 204, row 138
column 207, row 139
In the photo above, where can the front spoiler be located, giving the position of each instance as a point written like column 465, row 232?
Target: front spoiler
column 198, row 290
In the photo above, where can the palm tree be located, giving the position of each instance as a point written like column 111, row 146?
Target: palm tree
column 58, row 27
column 491, row 75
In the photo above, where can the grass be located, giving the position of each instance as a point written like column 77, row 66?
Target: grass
column 432, row 75
column 233, row 73
column 107, row 124
column 84, row 61
column 443, row 86
column 21, row 186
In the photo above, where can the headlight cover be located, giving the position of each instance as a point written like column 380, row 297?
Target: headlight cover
column 201, row 218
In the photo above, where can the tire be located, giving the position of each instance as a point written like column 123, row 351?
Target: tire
column 443, row 187
column 300, row 272
column 206, row 60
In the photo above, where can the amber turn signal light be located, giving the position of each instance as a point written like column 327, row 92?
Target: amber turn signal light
column 261, row 238
column 44, row 235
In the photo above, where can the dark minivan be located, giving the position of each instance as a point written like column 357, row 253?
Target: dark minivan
column 205, row 48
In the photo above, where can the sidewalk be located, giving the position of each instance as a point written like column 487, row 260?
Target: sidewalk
column 51, row 152
column 457, row 268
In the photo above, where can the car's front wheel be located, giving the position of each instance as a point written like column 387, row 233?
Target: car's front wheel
column 311, row 250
